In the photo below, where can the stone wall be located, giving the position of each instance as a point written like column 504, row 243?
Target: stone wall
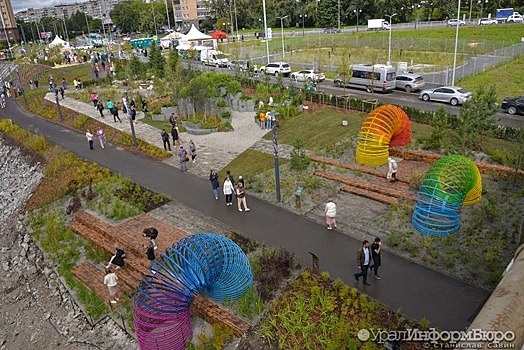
column 37, row 309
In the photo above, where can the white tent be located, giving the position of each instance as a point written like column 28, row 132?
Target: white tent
column 57, row 41
column 168, row 40
column 195, row 34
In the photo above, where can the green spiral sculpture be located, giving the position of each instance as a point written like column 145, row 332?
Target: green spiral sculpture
column 452, row 181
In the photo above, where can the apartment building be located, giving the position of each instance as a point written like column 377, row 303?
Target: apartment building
column 188, row 12
column 93, row 8
column 8, row 23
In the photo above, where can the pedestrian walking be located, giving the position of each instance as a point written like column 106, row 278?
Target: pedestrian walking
column 132, row 114
column 64, row 83
column 330, row 210
column 375, row 255
column 111, row 281
column 94, row 99
column 144, row 105
column 228, row 190
column 174, row 134
column 89, row 137
column 62, row 92
column 75, row 84
column 392, row 169
column 117, row 260
column 165, row 139
column 183, row 158
column 363, row 260
column 100, row 108
column 114, row 112
column 172, row 119
column 213, row 177
column 101, row 136
column 241, row 197
column 192, row 150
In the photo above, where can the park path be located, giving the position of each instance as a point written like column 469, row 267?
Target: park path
column 414, row 290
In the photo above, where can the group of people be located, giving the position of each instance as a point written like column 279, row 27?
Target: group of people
column 117, row 262
column 267, row 119
column 100, row 135
column 230, row 189
column 128, row 107
column 368, row 257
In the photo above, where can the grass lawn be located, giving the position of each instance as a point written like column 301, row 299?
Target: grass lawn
column 508, row 79
column 249, row 163
column 318, row 129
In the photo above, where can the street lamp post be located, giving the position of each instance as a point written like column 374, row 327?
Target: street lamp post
column 456, row 45
column 168, row 20
column 389, row 42
column 303, row 16
column 265, row 29
column 357, row 12
column 282, row 30
column 339, row 15
column 481, row 2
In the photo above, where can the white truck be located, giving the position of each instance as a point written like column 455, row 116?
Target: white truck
column 213, row 58
column 378, row 24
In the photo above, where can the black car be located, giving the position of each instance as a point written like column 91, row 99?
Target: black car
column 513, row 105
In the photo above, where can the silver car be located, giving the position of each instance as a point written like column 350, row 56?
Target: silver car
column 410, row 82
column 451, row 94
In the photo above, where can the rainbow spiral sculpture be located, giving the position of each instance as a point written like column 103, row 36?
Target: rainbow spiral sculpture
column 451, row 182
column 203, row 262
column 384, row 126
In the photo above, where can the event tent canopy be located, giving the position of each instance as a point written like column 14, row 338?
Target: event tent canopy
column 57, row 41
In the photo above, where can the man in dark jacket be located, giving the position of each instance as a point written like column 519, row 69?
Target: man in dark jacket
column 213, row 177
column 363, row 260
column 375, row 254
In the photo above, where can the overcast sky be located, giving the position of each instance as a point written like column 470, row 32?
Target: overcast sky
column 20, row 5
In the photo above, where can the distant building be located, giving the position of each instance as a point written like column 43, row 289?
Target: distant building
column 94, row 8
column 8, row 22
column 188, row 12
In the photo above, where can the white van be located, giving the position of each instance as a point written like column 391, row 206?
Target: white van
column 213, row 58
column 372, row 77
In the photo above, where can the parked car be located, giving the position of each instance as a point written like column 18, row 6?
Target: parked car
column 483, row 21
column 451, row 94
column 276, row 69
column 513, row 105
column 241, row 65
column 453, row 22
column 330, row 30
column 410, row 82
column 308, row 75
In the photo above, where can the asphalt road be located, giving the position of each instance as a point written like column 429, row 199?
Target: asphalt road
column 397, row 97
column 412, row 289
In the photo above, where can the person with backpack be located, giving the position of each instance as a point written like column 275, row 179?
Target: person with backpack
column 183, row 158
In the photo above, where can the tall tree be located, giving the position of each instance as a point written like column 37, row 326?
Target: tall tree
column 157, row 62
column 475, row 121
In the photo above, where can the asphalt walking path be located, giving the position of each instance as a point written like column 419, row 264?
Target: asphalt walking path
column 410, row 288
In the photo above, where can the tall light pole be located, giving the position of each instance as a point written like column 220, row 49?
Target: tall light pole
column 389, row 44
column 282, row 28
column 236, row 19
column 482, row 6
column 87, row 23
column 265, row 29
column 456, row 45
column 357, row 12
column 339, row 15
column 303, row 16
column 168, row 20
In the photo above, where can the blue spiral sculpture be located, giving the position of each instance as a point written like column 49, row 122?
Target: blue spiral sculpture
column 450, row 182
column 203, row 262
